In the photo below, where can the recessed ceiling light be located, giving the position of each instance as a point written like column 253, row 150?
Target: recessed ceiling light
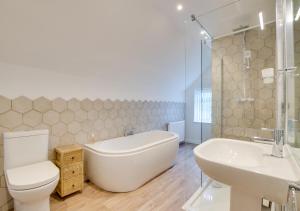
column 261, row 20
column 297, row 15
column 179, row 7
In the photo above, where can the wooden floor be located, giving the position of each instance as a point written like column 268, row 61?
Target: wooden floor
column 167, row 192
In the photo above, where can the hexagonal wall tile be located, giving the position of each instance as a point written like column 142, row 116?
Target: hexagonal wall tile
column 81, row 138
column 66, row 139
column 99, row 124
column 256, row 44
column 108, row 123
column 117, row 104
column 87, row 125
column 59, row 129
column 74, row 127
column 51, row 117
column 98, row 104
column 104, row 114
column 92, row 115
column 5, row 104
column 22, row 104
column 80, row 115
column 226, row 42
column 103, row 134
column 113, row 114
column 42, row 126
column 32, row 118
column 265, row 53
column 10, row 119
column 74, row 104
column 86, row 104
column 42, row 104
column 108, row 104
column 67, row 116
column 22, row 128
column 266, row 93
column 59, row 104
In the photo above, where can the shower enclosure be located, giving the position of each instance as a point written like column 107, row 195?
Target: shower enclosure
column 198, row 92
column 288, row 83
column 198, row 85
column 288, row 61
column 241, row 108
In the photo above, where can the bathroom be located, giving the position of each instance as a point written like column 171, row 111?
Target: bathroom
column 150, row 105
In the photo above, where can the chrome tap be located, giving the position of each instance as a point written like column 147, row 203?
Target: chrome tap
column 128, row 131
column 278, row 141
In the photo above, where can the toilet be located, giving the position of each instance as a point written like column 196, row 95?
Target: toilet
column 30, row 176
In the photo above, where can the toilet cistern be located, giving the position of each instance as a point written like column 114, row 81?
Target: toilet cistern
column 29, row 175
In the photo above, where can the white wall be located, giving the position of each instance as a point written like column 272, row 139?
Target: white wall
column 127, row 49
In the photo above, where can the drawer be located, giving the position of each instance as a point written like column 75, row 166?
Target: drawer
column 69, row 158
column 72, row 171
column 72, row 185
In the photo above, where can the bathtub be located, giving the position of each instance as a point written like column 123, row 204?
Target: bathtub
column 126, row 163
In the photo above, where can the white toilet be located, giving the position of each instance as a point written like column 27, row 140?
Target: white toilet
column 30, row 177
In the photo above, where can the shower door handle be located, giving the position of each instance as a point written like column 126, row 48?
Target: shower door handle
column 290, row 69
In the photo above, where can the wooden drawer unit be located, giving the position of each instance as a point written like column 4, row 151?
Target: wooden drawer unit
column 70, row 171
column 70, row 161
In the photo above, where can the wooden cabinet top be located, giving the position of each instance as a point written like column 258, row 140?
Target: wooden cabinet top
column 68, row 148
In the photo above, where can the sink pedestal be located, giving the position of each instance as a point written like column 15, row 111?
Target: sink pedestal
column 242, row 201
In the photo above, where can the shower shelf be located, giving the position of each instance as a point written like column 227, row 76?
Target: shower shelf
column 246, row 99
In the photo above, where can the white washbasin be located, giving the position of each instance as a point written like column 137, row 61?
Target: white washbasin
column 249, row 169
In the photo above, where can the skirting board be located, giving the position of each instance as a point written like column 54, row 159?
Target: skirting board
column 193, row 141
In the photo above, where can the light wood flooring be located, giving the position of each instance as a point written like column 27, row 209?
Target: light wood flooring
column 167, row 192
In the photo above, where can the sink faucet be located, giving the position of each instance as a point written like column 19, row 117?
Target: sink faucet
column 277, row 150
column 278, row 141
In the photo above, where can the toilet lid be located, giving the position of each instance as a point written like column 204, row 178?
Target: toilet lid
column 31, row 176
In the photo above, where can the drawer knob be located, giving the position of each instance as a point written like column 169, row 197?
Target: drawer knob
column 73, row 185
column 72, row 158
column 73, row 172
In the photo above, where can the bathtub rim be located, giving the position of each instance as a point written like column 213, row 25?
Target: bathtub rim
column 134, row 150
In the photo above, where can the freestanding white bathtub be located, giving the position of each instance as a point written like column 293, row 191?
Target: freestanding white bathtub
column 126, row 163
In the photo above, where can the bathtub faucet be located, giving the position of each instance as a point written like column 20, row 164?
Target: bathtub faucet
column 129, row 131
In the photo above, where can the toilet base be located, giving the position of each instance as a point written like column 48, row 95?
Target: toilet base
column 40, row 205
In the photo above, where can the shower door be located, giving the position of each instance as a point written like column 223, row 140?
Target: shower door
column 292, row 60
column 288, row 63
column 293, row 79
column 198, row 87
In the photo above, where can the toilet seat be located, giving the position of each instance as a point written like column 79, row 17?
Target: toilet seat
column 31, row 176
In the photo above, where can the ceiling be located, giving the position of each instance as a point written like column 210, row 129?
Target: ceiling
column 220, row 17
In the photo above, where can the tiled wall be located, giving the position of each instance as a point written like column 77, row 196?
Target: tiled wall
column 232, row 118
column 74, row 121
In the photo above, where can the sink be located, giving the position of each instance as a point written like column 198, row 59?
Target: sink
column 249, row 169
